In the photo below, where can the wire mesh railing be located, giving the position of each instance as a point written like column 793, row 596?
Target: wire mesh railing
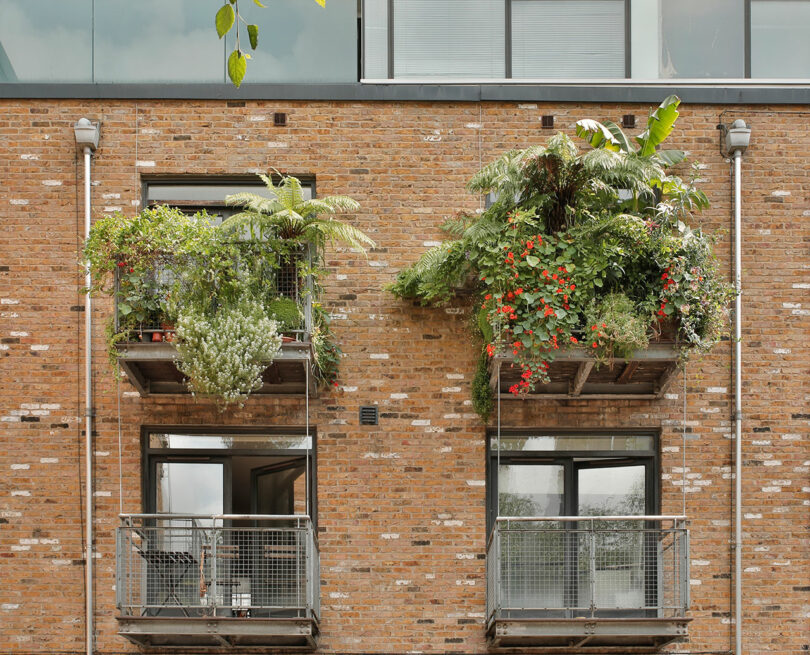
column 571, row 567
column 230, row 565
column 142, row 298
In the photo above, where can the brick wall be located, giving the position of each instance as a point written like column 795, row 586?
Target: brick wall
column 402, row 504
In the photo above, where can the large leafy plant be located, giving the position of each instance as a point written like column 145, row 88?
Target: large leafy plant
column 579, row 249
column 229, row 290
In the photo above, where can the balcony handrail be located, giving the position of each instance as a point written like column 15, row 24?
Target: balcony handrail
column 219, row 517
column 635, row 517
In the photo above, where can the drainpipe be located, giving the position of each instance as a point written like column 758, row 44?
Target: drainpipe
column 87, row 140
column 737, row 138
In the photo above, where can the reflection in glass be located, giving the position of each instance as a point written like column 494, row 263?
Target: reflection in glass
column 702, row 39
column 575, row 442
column 157, row 41
column 530, row 490
column 780, row 47
column 615, row 554
column 235, row 442
column 301, row 41
column 45, row 41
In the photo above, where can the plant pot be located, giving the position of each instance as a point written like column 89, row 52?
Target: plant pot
column 157, row 336
column 286, row 339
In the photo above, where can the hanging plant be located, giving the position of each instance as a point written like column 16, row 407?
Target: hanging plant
column 229, row 290
column 580, row 249
column 224, row 353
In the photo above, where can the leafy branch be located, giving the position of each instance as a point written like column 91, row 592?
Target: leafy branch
column 226, row 18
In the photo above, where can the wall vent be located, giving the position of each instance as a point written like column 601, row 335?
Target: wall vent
column 369, row 415
column 547, row 122
column 628, row 121
column 279, row 119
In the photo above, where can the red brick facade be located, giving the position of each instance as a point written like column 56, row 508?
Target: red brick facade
column 401, row 505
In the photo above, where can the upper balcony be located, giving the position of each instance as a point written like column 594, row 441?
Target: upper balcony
column 582, row 582
column 148, row 355
column 214, row 581
column 645, row 375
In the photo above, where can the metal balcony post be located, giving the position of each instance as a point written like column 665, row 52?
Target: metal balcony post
column 212, row 602
column 592, row 567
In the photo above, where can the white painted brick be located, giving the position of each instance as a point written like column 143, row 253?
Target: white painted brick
column 111, row 196
column 29, row 157
column 349, row 389
column 764, row 442
column 773, row 462
column 402, row 583
column 144, row 164
column 800, row 312
column 52, row 182
column 378, row 356
column 20, row 467
column 446, row 449
column 473, row 126
column 752, row 569
column 18, row 334
column 780, row 193
column 671, row 449
column 398, row 396
column 378, row 264
column 452, row 416
column 10, row 606
column 421, row 421
column 9, row 301
column 455, row 376
column 389, row 535
column 671, row 396
column 257, row 118
column 791, row 305
column 475, row 483
column 798, row 285
column 18, row 201
column 753, row 516
column 781, row 351
column 20, row 548
column 102, row 494
column 277, row 144
column 39, row 347
column 21, row 493
column 454, row 523
column 338, row 594
column 769, row 490
column 10, row 419
column 149, row 130
column 527, row 106
column 700, row 562
column 716, row 390
column 451, row 389
column 465, row 556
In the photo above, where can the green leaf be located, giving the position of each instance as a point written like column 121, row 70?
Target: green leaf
column 253, row 34
column 620, row 136
column 224, row 20
column 668, row 309
column 124, row 309
column 259, row 4
column 596, row 134
column 659, row 125
column 237, row 67
column 671, row 157
column 532, row 261
column 561, row 313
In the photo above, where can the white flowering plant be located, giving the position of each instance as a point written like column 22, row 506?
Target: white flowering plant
column 224, row 353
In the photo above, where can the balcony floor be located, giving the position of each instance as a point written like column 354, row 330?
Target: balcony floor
column 151, row 369
column 622, row 635
column 573, row 374
column 219, row 632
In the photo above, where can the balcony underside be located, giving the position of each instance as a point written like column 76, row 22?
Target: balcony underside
column 219, row 632
column 622, row 635
column 573, row 374
column 151, row 369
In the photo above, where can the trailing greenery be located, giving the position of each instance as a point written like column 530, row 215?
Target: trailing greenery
column 482, row 400
column 580, row 249
column 228, row 290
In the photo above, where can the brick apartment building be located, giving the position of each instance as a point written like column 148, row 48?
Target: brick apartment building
column 395, row 104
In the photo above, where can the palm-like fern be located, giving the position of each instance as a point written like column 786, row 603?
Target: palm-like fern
column 289, row 215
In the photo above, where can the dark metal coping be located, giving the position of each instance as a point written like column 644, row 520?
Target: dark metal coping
column 690, row 94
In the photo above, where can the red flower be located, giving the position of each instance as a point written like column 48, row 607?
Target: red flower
column 488, row 296
column 594, row 344
column 574, row 340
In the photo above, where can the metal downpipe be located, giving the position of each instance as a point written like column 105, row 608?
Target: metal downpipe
column 737, row 406
column 88, row 413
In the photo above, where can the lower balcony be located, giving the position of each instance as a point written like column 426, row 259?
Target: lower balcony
column 217, row 581
column 610, row 584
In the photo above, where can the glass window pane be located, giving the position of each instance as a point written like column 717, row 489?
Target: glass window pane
column 45, row 41
column 530, row 490
column 206, row 192
column 780, row 38
column 557, row 39
column 375, row 38
column 546, row 443
column 449, row 38
column 702, row 39
column 234, row 442
column 157, row 41
column 189, row 488
column 611, row 491
column 301, row 42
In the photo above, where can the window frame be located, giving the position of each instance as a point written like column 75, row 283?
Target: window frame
column 151, row 455
column 650, row 458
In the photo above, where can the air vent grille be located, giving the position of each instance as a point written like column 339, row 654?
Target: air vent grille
column 369, row 415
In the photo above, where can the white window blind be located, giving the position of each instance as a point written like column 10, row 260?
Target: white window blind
column 375, row 39
column 568, row 39
column 449, row 38
column 780, row 39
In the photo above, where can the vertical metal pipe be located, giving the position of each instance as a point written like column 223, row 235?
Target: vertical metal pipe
column 737, row 406
column 88, row 415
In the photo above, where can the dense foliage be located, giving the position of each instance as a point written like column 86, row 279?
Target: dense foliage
column 230, row 290
column 580, row 249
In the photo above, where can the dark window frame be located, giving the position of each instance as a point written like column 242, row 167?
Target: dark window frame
column 650, row 458
column 151, row 455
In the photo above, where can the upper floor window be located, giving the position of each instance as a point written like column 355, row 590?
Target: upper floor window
column 585, row 39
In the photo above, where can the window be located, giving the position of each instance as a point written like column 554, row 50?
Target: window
column 552, row 560
column 244, row 473
column 780, row 47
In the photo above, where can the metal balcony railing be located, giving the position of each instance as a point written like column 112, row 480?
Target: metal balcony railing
column 284, row 281
column 220, row 566
column 588, row 566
